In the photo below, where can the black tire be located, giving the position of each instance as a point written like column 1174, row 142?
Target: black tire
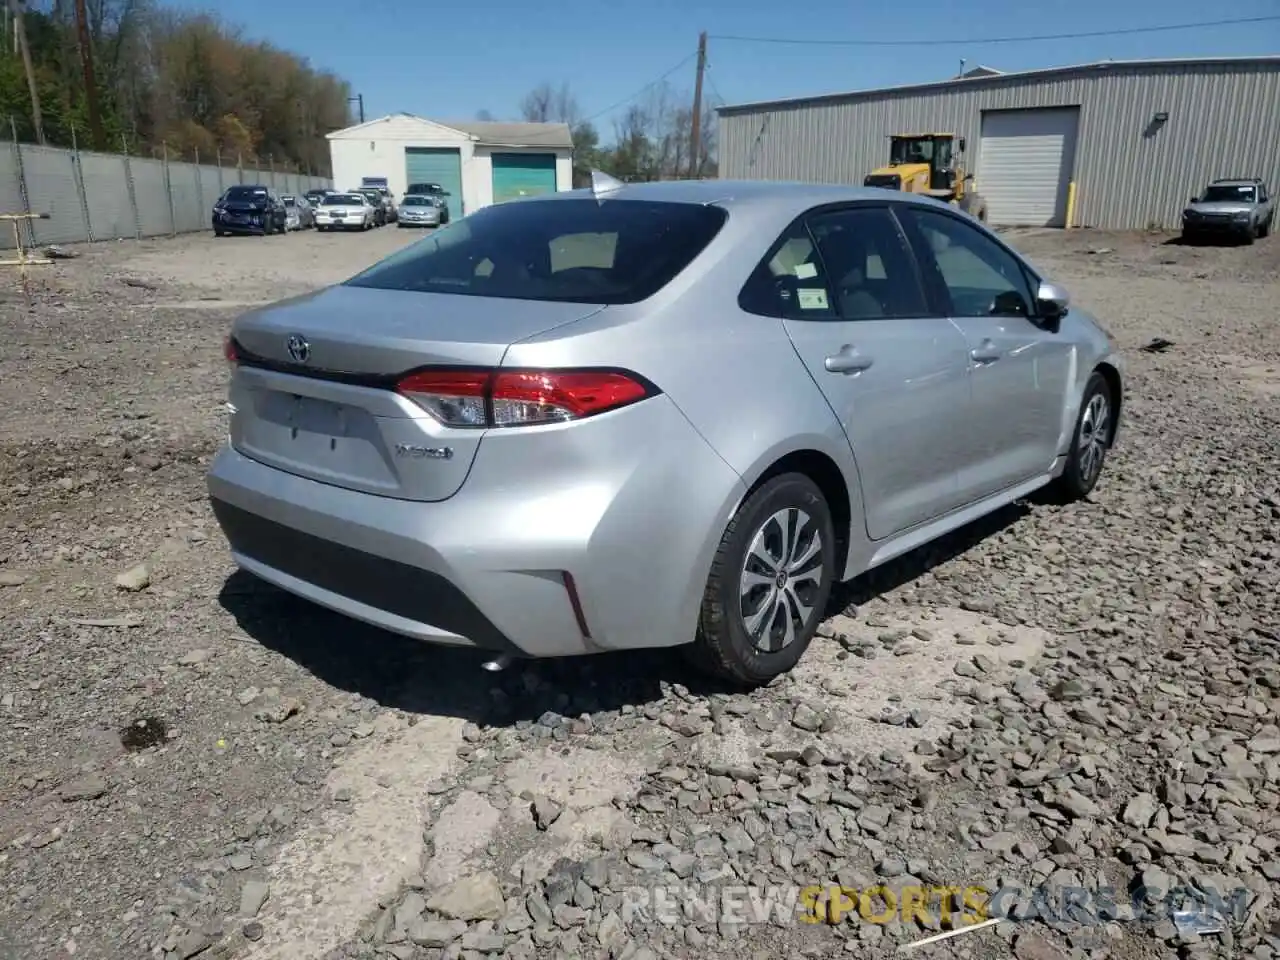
column 723, row 645
column 1265, row 229
column 1082, row 472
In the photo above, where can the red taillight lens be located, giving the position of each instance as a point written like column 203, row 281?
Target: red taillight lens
column 517, row 398
column 230, row 352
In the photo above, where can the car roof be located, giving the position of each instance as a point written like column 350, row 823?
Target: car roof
column 778, row 197
column 1236, row 181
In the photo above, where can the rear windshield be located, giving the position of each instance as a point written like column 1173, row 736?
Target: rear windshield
column 578, row 251
column 342, row 200
column 246, row 193
column 1222, row 192
column 289, row 201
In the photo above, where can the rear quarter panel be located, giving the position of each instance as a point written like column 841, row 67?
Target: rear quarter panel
column 735, row 376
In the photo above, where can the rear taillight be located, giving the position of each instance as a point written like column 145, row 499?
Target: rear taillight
column 230, row 352
column 515, row 398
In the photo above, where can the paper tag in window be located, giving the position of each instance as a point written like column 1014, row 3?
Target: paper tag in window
column 806, row 271
column 813, row 299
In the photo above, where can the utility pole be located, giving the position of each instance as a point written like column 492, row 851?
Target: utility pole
column 20, row 35
column 358, row 98
column 695, row 135
column 90, row 82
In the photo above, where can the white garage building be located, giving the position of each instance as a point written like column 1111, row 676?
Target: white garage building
column 1135, row 138
column 478, row 163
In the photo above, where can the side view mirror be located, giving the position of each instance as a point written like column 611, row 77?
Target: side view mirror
column 968, row 176
column 1052, row 301
column 1193, row 199
column 961, row 144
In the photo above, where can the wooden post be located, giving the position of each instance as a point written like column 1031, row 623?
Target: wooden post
column 695, row 135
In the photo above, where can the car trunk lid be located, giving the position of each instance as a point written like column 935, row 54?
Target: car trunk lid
column 314, row 392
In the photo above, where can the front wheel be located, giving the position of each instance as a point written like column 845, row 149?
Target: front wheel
column 769, row 583
column 1090, row 442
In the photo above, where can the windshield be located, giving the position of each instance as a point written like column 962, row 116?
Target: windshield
column 416, row 202
column 574, row 251
column 241, row 194
column 343, row 200
column 912, row 150
column 425, row 188
column 1219, row 193
column 289, row 201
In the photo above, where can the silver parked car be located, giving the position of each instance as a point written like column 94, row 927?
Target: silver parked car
column 345, row 211
column 419, row 211
column 1239, row 208
column 298, row 213
column 672, row 413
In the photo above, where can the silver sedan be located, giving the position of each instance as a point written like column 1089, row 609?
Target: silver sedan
column 421, row 211
column 653, row 415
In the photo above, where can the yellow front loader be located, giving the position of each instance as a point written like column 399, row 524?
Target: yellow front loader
column 931, row 164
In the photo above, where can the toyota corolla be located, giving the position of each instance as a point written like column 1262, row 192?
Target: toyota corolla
column 653, row 415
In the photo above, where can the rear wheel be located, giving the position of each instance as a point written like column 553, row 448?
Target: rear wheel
column 769, row 583
column 1090, row 442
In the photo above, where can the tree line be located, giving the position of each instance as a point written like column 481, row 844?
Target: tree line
column 651, row 140
column 168, row 79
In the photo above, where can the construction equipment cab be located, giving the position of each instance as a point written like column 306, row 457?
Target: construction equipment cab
column 931, row 164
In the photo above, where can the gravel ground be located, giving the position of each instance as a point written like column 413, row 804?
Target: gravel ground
column 1063, row 704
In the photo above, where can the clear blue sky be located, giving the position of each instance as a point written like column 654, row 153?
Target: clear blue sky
column 450, row 60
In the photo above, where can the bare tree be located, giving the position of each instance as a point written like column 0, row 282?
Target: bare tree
column 548, row 104
column 484, row 116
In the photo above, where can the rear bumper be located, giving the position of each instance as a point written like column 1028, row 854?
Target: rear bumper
column 486, row 568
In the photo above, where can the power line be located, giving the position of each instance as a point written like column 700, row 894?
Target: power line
column 976, row 41
column 534, row 141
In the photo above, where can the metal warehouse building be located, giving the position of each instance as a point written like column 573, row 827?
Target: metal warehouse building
column 1136, row 137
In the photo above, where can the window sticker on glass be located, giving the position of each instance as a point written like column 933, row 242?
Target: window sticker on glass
column 805, row 271
column 813, row 299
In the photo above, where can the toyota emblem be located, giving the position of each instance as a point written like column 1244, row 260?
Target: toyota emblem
column 299, row 349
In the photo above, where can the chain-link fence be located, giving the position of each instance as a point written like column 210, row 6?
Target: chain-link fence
column 106, row 196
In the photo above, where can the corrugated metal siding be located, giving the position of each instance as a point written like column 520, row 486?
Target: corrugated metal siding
column 188, row 213
column 52, row 189
column 100, row 185
column 107, row 192
column 1224, row 120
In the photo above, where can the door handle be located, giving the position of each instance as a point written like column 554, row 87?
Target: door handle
column 987, row 353
column 848, row 360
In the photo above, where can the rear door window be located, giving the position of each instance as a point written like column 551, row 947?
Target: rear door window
column 790, row 282
column 578, row 250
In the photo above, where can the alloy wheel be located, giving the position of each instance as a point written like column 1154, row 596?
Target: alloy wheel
column 1094, row 428
column 781, row 579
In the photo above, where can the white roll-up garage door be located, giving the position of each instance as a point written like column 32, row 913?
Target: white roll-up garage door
column 1024, row 165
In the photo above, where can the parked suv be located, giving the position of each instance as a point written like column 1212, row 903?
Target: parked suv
column 1234, row 207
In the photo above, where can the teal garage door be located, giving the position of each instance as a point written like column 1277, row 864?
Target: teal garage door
column 523, row 175
column 442, row 165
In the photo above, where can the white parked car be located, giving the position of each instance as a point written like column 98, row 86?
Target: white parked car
column 345, row 211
